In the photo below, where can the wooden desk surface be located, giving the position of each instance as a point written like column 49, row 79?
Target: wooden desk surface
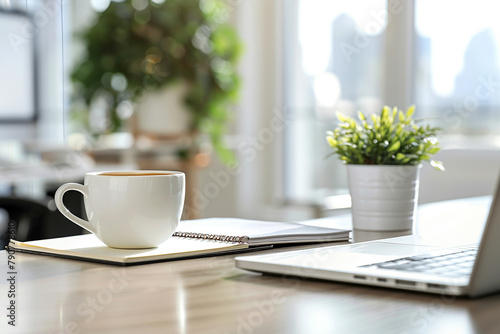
column 210, row 295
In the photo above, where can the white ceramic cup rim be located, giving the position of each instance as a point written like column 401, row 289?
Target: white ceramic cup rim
column 135, row 173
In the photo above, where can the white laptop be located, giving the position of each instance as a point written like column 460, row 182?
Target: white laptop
column 401, row 263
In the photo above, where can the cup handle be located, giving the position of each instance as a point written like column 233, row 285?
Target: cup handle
column 66, row 213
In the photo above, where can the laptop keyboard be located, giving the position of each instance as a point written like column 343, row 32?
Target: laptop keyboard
column 456, row 263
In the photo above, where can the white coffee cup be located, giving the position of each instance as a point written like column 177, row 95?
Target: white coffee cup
column 129, row 209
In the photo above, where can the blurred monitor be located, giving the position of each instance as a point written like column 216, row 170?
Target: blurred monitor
column 18, row 105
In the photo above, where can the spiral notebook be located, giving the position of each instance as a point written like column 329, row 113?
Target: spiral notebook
column 193, row 238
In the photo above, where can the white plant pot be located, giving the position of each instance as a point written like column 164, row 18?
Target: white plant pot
column 163, row 112
column 384, row 198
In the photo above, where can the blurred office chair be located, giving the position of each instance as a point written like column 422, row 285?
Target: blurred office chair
column 23, row 220
column 34, row 220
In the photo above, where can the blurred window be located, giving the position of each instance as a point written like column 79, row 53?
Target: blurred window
column 457, row 78
column 335, row 56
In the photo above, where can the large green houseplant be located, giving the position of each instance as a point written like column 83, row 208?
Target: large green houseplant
column 135, row 47
column 383, row 154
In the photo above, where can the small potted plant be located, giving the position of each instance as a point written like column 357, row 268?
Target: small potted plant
column 383, row 155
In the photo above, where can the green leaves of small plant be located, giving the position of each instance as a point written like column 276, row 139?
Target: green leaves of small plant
column 437, row 165
column 392, row 138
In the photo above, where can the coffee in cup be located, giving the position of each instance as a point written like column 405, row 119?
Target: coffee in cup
column 129, row 209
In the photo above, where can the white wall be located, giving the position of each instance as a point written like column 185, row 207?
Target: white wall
column 48, row 17
column 259, row 146
column 469, row 172
column 255, row 186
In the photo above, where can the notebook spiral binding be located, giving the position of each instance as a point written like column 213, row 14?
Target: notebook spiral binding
column 216, row 237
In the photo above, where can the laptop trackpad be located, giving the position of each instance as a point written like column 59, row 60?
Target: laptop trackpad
column 349, row 256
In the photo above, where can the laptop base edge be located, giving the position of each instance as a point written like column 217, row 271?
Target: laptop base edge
column 446, row 291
